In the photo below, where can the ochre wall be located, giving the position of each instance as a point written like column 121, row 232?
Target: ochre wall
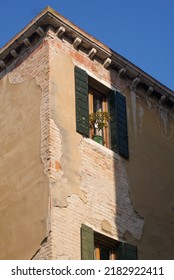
column 25, row 165
column 150, row 174
column 23, row 187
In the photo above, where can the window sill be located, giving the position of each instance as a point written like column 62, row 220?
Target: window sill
column 101, row 148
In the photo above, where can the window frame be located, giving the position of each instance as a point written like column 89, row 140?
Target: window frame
column 105, row 131
column 110, row 244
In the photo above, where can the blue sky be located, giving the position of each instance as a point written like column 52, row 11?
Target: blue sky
column 142, row 31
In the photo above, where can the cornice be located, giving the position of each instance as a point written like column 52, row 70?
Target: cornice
column 93, row 48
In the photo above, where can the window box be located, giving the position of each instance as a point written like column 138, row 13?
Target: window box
column 98, row 139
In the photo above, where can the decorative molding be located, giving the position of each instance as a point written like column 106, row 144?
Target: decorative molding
column 61, row 30
column 135, row 82
column 149, row 91
column 163, row 97
column 92, row 53
column 27, row 43
column 49, row 19
column 14, row 53
column 107, row 63
column 40, row 31
column 77, row 42
column 121, row 72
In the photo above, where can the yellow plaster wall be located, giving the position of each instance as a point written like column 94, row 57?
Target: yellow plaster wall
column 23, row 185
column 150, row 174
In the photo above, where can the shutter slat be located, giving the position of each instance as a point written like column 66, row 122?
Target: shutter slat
column 81, row 83
column 82, row 106
column 87, row 243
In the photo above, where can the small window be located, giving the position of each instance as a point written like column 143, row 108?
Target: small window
column 93, row 97
column 96, row 246
column 104, row 247
column 98, row 105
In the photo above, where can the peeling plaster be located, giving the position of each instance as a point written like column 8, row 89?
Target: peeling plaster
column 134, row 222
column 43, row 244
column 149, row 103
column 68, row 181
column 140, row 113
column 105, row 179
column 106, row 226
column 167, row 129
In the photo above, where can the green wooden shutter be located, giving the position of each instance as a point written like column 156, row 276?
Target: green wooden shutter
column 118, row 123
column 125, row 251
column 82, row 106
column 122, row 125
column 87, row 243
column 130, row 252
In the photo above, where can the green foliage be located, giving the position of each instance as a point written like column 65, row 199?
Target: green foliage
column 99, row 120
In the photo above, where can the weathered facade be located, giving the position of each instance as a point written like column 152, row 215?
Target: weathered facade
column 64, row 196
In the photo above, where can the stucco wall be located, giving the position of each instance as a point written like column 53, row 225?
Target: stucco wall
column 23, row 187
column 150, row 174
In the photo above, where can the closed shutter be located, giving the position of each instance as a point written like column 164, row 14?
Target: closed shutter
column 125, row 251
column 118, row 123
column 87, row 243
column 82, row 106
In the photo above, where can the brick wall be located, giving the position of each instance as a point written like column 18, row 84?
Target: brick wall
column 107, row 207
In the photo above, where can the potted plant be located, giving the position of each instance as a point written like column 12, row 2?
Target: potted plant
column 97, row 121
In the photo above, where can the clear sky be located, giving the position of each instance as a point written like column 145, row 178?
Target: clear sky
column 142, row 31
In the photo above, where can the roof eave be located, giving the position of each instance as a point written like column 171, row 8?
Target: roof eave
column 50, row 18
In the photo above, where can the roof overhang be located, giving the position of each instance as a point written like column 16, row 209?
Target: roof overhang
column 49, row 18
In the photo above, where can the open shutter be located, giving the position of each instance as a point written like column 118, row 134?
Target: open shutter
column 118, row 123
column 125, row 251
column 122, row 125
column 130, row 252
column 113, row 122
column 87, row 243
column 82, row 106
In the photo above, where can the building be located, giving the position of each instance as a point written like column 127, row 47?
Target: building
column 64, row 195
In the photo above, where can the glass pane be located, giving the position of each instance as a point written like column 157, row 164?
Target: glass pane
column 97, row 99
column 97, row 103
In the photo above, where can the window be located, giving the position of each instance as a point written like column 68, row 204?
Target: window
column 98, row 105
column 96, row 246
column 104, row 247
column 90, row 99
